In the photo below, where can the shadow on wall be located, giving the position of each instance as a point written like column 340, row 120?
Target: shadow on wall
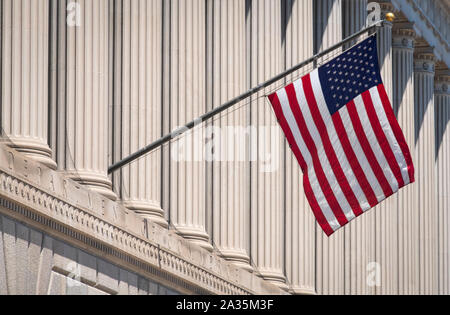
column 286, row 12
column 441, row 121
column 321, row 19
column 4, row 138
column 400, row 85
column 420, row 111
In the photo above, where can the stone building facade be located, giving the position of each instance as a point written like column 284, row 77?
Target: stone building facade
column 84, row 83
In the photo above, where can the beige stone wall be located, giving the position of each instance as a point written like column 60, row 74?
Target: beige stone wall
column 76, row 98
column 32, row 262
column 46, row 200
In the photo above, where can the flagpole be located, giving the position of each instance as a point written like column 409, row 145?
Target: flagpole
column 154, row 145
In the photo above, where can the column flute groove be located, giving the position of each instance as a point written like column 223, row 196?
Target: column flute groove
column 386, row 214
column 79, row 87
column 403, row 100
column 226, row 80
column 330, row 264
column 360, row 234
column 300, row 222
column 187, row 84
column 137, row 104
column 267, row 213
column 442, row 116
column 424, row 71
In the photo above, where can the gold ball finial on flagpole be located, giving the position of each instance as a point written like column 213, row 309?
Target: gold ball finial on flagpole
column 390, row 17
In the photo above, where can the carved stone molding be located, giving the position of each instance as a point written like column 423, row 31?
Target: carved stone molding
column 42, row 198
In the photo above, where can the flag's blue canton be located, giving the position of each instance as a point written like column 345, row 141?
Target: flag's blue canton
column 350, row 74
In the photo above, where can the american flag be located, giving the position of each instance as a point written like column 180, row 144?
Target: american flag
column 341, row 127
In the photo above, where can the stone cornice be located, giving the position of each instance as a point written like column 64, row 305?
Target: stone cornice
column 425, row 27
column 47, row 200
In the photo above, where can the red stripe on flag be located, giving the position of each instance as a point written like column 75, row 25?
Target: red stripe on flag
column 353, row 160
column 323, row 181
column 381, row 137
column 307, row 186
column 315, row 206
column 329, row 150
column 397, row 131
column 353, row 113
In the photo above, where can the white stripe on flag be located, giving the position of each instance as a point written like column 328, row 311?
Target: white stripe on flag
column 381, row 114
column 320, row 197
column 336, row 142
column 360, row 155
column 373, row 141
column 326, row 167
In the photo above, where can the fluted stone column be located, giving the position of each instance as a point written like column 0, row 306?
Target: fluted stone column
column 226, row 79
column 328, row 25
column 267, row 211
column 403, row 105
column 386, row 213
column 329, row 250
column 80, row 90
column 185, row 85
column 24, row 78
column 360, row 234
column 137, row 103
column 385, row 47
column 300, row 222
column 424, row 64
column 442, row 109
column 354, row 16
